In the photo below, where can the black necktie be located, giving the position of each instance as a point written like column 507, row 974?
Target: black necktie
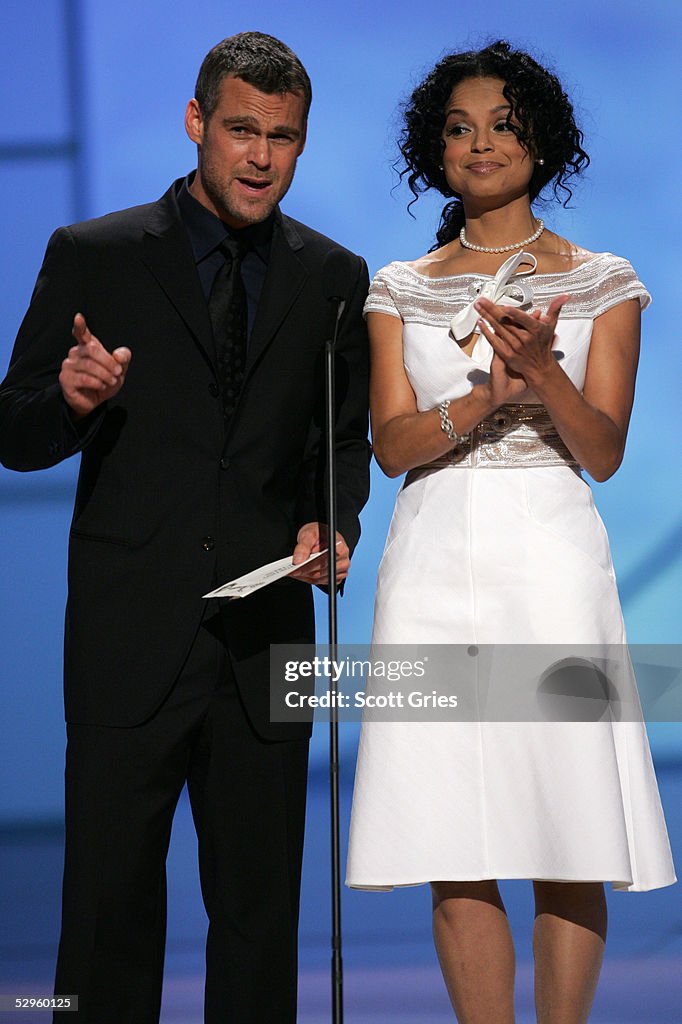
column 228, row 311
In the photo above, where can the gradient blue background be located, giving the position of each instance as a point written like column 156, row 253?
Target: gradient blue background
column 94, row 94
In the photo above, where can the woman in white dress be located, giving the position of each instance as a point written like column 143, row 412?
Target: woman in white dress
column 492, row 393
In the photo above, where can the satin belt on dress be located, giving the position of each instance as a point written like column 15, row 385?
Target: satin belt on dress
column 514, row 436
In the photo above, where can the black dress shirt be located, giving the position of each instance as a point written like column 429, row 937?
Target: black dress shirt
column 207, row 232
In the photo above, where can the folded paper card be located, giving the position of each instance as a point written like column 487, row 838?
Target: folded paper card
column 260, row 577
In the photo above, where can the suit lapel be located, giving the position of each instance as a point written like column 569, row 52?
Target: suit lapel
column 168, row 255
column 284, row 280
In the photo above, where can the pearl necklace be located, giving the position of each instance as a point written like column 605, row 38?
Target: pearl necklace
column 502, row 248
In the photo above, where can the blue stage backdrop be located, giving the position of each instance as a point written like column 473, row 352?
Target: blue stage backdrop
column 94, row 99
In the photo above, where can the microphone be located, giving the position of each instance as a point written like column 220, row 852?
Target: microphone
column 338, row 278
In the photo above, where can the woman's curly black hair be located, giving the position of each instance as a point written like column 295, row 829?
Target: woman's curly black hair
column 538, row 103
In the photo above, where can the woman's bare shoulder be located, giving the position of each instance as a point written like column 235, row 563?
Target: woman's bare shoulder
column 436, row 263
column 557, row 255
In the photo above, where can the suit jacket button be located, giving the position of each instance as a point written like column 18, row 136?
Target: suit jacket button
column 225, row 462
column 208, row 543
column 214, row 389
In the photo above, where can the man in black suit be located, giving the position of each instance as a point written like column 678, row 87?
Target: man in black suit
column 194, row 391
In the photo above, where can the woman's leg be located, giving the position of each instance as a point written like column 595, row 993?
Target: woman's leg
column 568, row 945
column 475, row 950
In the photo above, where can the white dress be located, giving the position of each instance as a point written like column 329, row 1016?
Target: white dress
column 500, row 543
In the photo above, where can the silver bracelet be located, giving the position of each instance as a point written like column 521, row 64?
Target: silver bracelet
column 446, row 424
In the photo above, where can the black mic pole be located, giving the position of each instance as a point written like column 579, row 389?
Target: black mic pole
column 339, row 273
column 330, row 406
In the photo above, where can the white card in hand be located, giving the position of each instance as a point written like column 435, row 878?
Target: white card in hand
column 260, row 577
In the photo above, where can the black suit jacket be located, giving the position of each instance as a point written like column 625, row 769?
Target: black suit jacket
column 169, row 503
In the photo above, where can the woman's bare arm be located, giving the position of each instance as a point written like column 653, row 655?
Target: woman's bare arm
column 402, row 437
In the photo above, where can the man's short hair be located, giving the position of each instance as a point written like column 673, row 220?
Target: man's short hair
column 261, row 60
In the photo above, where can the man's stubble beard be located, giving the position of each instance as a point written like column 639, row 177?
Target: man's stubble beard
column 219, row 194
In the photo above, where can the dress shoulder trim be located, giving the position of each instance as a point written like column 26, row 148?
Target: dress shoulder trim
column 593, row 287
column 384, row 292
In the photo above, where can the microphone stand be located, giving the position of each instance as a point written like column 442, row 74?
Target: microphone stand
column 330, row 407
